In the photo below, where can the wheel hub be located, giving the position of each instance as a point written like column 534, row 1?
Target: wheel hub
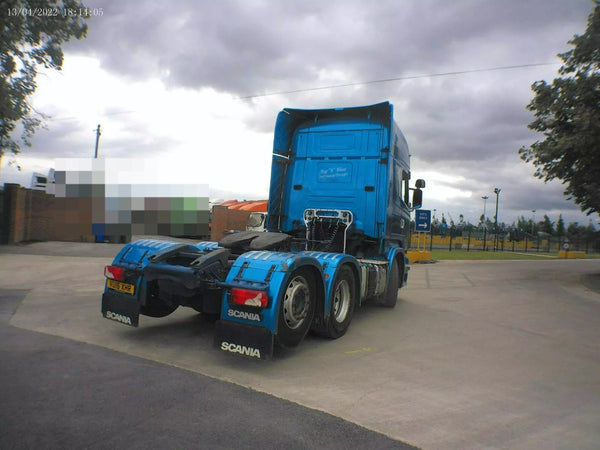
column 341, row 301
column 296, row 302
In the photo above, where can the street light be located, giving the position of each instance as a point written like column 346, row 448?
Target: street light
column 485, row 197
column 533, row 223
column 497, row 192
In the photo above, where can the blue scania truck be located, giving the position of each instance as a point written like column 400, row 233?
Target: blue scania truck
column 338, row 228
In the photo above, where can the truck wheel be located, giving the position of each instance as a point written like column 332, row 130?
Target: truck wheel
column 297, row 309
column 156, row 307
column 342, row 304
column 390, row 297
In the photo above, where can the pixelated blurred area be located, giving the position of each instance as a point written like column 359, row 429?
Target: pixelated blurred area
column 104, row 200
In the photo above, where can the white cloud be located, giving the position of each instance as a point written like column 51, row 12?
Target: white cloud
column 166, row 85
column 201, row 132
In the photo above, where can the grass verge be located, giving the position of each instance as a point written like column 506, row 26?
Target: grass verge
column 438, row 255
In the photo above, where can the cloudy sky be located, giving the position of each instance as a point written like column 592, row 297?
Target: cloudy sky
column 200, row 82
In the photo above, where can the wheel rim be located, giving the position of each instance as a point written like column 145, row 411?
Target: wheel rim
column 341, row 301
column 296, row 302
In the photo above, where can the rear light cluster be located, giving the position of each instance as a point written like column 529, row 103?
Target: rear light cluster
column 114, row 273
column 248, row 297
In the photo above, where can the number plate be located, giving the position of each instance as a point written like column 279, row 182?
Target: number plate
column 120, row 286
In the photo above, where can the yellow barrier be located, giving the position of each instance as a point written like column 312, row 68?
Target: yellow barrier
column 571, row 254
column 418, row 256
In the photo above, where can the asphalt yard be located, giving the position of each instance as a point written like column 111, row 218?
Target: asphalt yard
column 477, row 354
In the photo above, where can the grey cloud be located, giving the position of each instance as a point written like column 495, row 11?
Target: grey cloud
column 470, row 125
column 247, row 47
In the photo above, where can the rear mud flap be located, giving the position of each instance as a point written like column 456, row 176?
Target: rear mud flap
column 246, row 340
column 121, row 308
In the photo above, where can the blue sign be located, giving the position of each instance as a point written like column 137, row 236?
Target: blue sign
column 423, row 220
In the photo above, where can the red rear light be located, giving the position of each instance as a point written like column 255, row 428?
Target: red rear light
column 248, row 297
column 114, row 273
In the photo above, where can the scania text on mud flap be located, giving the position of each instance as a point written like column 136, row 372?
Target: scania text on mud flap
column 337, row 230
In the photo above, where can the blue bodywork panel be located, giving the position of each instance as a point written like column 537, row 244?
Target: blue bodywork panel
column 269, row 271
column 266, row 271
column 333, row 169
column 353, row 159
column 135, row 255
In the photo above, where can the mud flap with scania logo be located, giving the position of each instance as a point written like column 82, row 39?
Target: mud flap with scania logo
column 245, row 340
column 121, row 308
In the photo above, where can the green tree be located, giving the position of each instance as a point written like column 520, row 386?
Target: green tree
column 547, row 226
column 31, row 35
column 575, row 230
column 590, row 229
column 560, row 226
column 567, row 112
column 525, row 225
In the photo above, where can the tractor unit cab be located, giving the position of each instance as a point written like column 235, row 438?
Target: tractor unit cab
column 338, row 227
column 339, row 180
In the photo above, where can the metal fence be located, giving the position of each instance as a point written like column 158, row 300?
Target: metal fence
column 483, row 240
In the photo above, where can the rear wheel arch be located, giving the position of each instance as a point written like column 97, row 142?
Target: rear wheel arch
column 399, row 256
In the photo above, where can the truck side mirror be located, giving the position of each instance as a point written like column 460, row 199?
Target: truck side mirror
column 420, row 184
column 417, row 198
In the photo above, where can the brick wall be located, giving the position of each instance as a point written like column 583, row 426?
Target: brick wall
column 32, row 215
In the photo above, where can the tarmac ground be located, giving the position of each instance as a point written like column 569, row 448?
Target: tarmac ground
column 477, row 354
column 61, row 394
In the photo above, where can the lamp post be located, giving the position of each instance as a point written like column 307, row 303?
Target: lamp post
column 485, row 197
column 533, row 232
column 497, row 192
column 98, row 133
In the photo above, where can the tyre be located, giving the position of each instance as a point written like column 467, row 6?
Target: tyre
column 342, row 304
column 390, row 296
column 297, row 308
column 156, row 307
